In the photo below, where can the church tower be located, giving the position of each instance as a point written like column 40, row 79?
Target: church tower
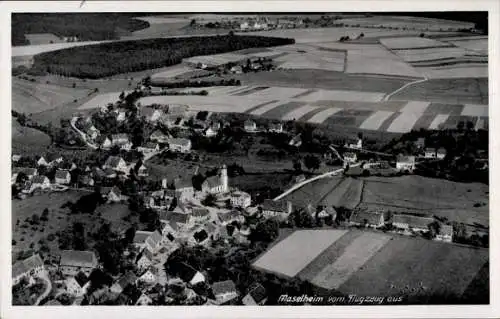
column 224, row 179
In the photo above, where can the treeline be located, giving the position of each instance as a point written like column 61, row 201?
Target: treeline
column 194, row 84
column 107, row 59
column 85, row 26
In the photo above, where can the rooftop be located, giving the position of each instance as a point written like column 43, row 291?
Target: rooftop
column 26, row 265
column 76, row 258
column 223, row 287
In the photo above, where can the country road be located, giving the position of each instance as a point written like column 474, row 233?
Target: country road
column 47, row 291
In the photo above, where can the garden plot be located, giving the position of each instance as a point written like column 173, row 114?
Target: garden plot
column 339, row 95
column 402, row 43
column 283, row 258
column 354, row 257
column 475, row 110
column 374, row 121
column 323, row 115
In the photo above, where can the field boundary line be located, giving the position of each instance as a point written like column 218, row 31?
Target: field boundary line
column 388, row 96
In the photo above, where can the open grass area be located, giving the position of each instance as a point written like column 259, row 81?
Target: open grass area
column 27, row 141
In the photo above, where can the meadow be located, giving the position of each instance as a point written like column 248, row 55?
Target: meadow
column 26, row 140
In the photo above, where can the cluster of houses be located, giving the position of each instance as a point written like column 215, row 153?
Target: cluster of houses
column 402, row 223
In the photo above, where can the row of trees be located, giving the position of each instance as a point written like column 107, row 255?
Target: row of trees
column 97, row 61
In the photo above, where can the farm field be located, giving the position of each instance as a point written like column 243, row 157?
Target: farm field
column 42, row 38
column 346, row 194
column 418, row 23
column 283, row 258
column 314, row 192
column 32, row 97
column 26, row 140
column 376, row 264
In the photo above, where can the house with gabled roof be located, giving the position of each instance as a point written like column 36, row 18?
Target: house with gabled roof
column 116, row 163
column 62, row 177
column 39, row 182
column 430, row 152
column 144, row 259
column 42, row 161
column 30, row 267
column 112, row 194
column 224, row 291
column 148, row 276
column 405, row 163
column 184, row 187
column 188, row 274
column 151, row 114
column 250, row 126
column 445, row 233
column 367, row 219
column 276, row 128
column 200, row 214
column 229, row 217
column 182, row 145
column 147, row 240
column 123, row 282
column 149, row 147
column 74, row 261
column 78, row 284
column 104, row 141
column 276, row 208
column 441, row 153
column 412, row 222
column 296, row 141
column 256, row 295
column 200, row 237
column 121, row 140
column 159, row 137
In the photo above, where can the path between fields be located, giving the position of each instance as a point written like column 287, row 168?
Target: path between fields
column 47, row 289
column 312, row 179
column 388, row 96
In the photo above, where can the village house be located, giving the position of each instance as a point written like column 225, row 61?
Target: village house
column 350, row 157
column 296, row 141
column 89, row 129
column 74, row 261
column 183, row 188
column 420, row 143
column 256, row 296
column 183, row 221
column 121, row 115
column 367, row 219
column 142, row 171
column 151, row 114
column 189, row 275
column 29, row 268
column 405, row 163
column 16, row 158
column 411, row 222
column 77, row 285
column 149, row 147
column 354, row 143
column 250, row 126
column 42, row 162
column 276, row 208
column 122, row 141
column 182, row 145
column 430, row 152
column 445, row 233
column 86, row 180
column 200, row 238
column 62, row 177
column 144, row 259
column 276, row 128
column 211, row 131
column 236, row 69
column 148, row 276
column 159, row 203
column 229, row 217
column 159, row 137
column 123, row 282
column 200, row 214
column 112, row 194
column 104, row 142
column 224, row 291
column 147, row 240
column 143, row 300
column 326, row 212
column 441, row 153
column 37, row 182
column 240, row 199
column 116, row 163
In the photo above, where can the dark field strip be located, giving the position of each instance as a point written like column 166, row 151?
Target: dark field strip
column 423, row 48
column 310, row 114
column 424, row 121
column 478, row 290
column 354, row 121
column 353, row 112
column 452, row 121
column 393, row 106
column 280, row 110
column 304, row 93
column 250, row 110
column 250, row 91
column 458, row 62
column 441, row 108
column 328, row 256
column 385, row 125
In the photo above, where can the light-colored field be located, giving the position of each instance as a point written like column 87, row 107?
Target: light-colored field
column 216, row 59
column 401, row 22
column 206, row 103
column 346, row 194
column 430, row 54
column 299, row 112
column 404, row 122
column 42, row 38
column 101, row 100
column 311, row 61
column 32, row 97
column 456, row 72
column 291, row 255
column 475, row 110
column 438, row 120
column 40, row 48
column 375, row 120
column 354, row 257
column 411, row 43
column 161, row 20
column 475, row 44
column 26, row 140
column 276, row 93
column 172, row 72
column 339, row 95
column 415, row 107
column 323, row 115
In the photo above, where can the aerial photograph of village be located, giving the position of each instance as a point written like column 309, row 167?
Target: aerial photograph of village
column 326, row 158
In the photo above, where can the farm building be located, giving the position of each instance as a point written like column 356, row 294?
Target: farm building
column 250, row 126
column 122, row 141
column 182, row 220
column 350, row 157
column 200, row 214
column 276, row 208
column 367, row 219
column 112, row 194
column 147, row 240
column 256, row 295
column 77, row 285
column 296, row 141
column 326, row 213
column 42, row 161
column 37, row 182
column 62, row 177
column 430, row 152
column 445, row 233
column 276, row 127
column 188, row 274
column 240, row 199
column 411, row 222
column 74, row 261
column 224, row 291
column 184, row 187
column 149, row 147
column 355, row 143
column 159, row 137
column 405, row 163
column 182, row 145
column 28, row 268
column 28, row 171
column 115, row 163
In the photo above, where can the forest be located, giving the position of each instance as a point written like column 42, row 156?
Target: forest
column 85, row 26
column 102, row 60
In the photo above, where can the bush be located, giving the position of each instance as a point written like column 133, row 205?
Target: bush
column 13, row 242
